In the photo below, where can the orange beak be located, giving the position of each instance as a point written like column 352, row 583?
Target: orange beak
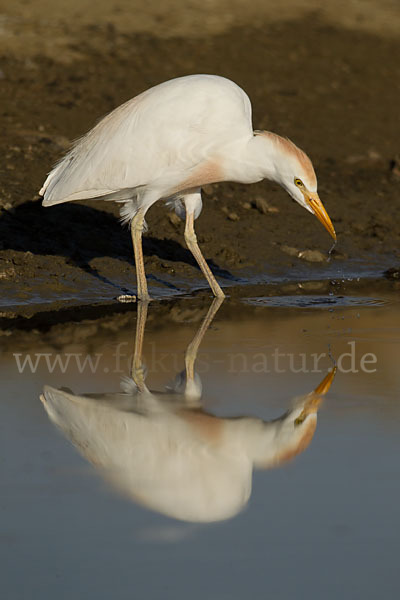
column 319, row 211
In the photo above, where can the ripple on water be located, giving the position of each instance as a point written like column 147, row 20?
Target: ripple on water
column 326, row 301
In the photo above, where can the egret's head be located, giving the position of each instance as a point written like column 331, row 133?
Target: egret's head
column 295, row 173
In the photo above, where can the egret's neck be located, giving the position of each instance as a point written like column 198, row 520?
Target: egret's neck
column 256, row 159
column 266, row 156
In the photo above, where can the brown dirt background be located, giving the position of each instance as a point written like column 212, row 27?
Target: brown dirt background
column 327, row 77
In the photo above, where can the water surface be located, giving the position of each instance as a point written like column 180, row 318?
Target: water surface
column 199, row 490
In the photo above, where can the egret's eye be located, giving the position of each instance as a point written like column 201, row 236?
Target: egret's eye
column 298, row 182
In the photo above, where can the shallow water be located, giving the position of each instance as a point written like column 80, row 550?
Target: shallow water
column 201, row 492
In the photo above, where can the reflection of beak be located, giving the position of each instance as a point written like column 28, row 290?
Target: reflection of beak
column 319, row 211
column 325, row 383
column 315, row 398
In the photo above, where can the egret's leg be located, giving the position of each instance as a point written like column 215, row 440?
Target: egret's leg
column 136, row 232
column 191, row 241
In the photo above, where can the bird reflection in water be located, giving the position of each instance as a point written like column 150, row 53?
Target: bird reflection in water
column 162, row 450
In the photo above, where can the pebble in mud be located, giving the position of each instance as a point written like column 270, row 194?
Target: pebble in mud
column 291, row 250
column 263, row 206
column 174, row 219
column 312, row 255
column 309, row 255
column 6, row 206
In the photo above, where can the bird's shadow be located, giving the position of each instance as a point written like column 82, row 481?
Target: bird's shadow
column 82, row 233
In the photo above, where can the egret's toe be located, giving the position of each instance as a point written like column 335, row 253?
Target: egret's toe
column 127, row 298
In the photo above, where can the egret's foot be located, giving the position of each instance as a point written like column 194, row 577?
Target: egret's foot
column 146, row 298
column 127, row 298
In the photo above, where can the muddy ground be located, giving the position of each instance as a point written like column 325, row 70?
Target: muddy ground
column 329, row 80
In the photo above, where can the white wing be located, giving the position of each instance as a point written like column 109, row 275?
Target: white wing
column 154, row 140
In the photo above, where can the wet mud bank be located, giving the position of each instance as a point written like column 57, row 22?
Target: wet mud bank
column 67, row 320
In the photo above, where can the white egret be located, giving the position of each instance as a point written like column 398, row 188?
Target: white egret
column 169, row 141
